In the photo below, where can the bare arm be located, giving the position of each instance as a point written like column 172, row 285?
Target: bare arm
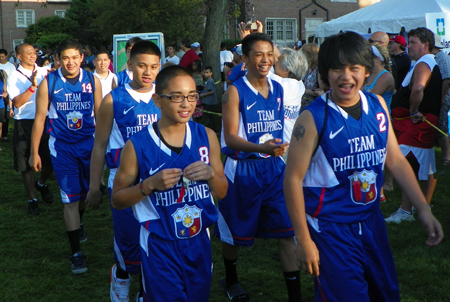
column 104, row 121
column 97, row 95
column 230, row 116
column 23, row 98
column 445, row 88
column 385, row 83
column 420, row 78
column 125, row 195
column 42, row 102
column 303, row 142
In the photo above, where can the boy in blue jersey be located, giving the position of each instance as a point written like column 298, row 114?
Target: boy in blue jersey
column 125, row 111
column 334, row 174
column 169, row 173
column 253, row 122
column 71, row 97
column 126, row 75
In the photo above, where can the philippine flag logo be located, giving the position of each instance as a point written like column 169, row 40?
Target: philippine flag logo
column 367, row 187
column 188, row 222
column 74, row 120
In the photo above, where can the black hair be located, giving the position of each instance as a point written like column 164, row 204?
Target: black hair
column 424, row 35
column 101, row 51
column 145, row 47
column 4, row 51
column 69, row 44
column 208, row 68
column 131, row 42
column 223, row 45
column 247, row 42
column 186, row 42
column 347, row 48
column 166, row 74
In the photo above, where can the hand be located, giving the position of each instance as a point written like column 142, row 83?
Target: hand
column 11, row 113
column 432, row 225
column 162, row 180
column 4, row 94
column 260, row 27
column 94, row 198
column 417, row 118
column 318, row 92
column 33, row 79
column 198, row 171
column 245, row 32
column 308, row 257
column 35, row 162
column 274, row 147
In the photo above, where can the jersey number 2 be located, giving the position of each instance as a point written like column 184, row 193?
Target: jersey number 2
column 382, row 118
column 204, row 154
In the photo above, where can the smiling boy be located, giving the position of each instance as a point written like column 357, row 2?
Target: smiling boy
column 125, row 111
column 334, row 175
column 71, row 96
column 169, row 173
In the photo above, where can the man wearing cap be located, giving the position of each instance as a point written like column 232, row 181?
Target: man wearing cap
column 189, row 55
column 196, row 47
column 443, row 61
column 415, row 113
column 401, row 62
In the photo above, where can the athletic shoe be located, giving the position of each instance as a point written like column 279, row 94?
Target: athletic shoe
column 78, row 263
column 399, row 216
column 139, row 299
column 119, row 287
column 45, row 192
column 33, row 208
column 83, row 236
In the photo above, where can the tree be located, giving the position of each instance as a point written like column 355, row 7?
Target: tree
column 83, row 13
column 49, row 31
column 215, row 19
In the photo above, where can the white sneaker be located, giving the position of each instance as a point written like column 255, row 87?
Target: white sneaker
column 119, row 287
column 399, row 216
column 139, row 299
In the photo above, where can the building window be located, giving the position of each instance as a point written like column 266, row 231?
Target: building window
column 60, row 13
column 282, row 30
column 24, row 17
column 17, row 42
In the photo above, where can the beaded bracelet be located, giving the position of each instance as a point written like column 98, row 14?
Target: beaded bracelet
column 142, row 189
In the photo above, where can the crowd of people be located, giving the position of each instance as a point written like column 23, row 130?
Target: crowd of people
column 316, row 132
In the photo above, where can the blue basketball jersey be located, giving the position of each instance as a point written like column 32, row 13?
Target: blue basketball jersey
column 123, row 77
column 132, row 112
column 178, row 212
column 71, row 112
column 345, row 176
column 260, row 119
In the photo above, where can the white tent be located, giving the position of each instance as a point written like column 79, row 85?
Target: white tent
column 388, row 16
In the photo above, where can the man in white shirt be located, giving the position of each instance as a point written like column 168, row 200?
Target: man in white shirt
column 172, row 57
column 102, row 72
column 22, row 84
column 4, row 63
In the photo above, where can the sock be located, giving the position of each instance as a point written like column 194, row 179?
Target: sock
column 121, row 274
column 39, row 184
column 230, row 272
column 293, row 285
column 74, row 240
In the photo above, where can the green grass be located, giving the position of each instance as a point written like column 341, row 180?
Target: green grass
column 35, row 266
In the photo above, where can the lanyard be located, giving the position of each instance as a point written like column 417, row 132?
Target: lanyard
column 29, row 79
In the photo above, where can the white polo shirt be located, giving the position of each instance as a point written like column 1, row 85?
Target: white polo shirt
column 17, row 83
column 106, row 82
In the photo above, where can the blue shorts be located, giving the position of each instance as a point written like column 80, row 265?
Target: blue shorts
column 356, row 262
column 71, row 163
column 254, row 205
column 178, row 270
column 126, row 236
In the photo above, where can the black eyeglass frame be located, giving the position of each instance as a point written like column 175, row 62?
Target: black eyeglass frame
column 182, row 97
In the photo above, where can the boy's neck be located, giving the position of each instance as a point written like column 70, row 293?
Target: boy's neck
column 256, row 81
column 102, row 74
column 138, row 88
column 172, row 132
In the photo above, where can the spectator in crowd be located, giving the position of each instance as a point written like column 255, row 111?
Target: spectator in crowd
column 380, row 38
column 208, row 96
column 102, row 72
column 196, row 47
column 171, row 55
column 418, row 100
column 189, row 55
column 180, row 53
column 401, row 62
column 88, row 55
column 126, row 76
column 5, row 65
column 311, row 78
column 4, row 102
column 12, row 58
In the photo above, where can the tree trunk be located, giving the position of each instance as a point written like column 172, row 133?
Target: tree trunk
column 215, row 19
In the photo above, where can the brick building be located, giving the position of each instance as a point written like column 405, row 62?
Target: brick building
column 288, row 21
column 16, row 15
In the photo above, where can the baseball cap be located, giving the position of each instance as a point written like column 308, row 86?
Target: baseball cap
column 195, row 44
column 437, row 41
column 239, row 49
column 399, row 39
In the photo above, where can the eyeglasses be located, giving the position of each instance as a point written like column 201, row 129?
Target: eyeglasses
column 420, row 32
column 179, row 98
column 373, row 41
